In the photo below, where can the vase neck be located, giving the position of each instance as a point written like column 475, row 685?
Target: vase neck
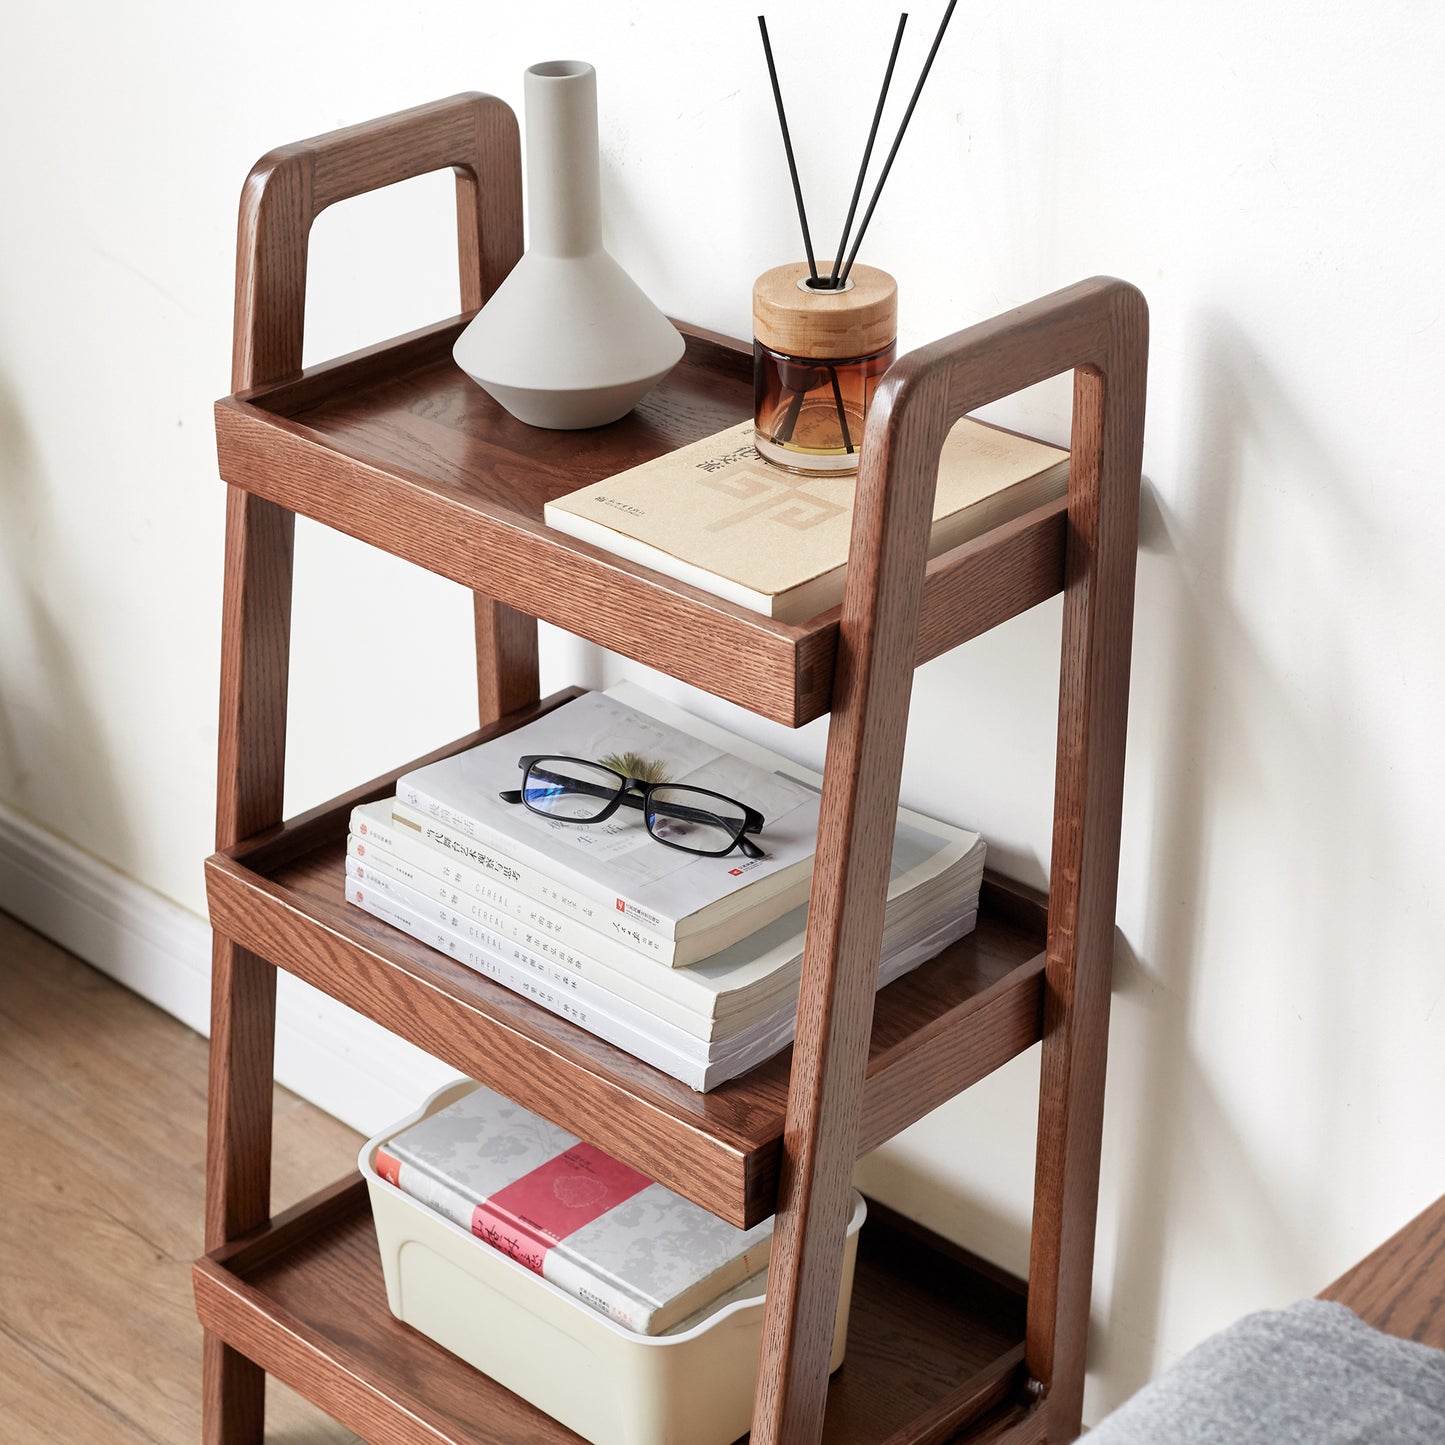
column 564, row 194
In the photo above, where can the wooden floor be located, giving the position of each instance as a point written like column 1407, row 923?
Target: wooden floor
column 102, row 1155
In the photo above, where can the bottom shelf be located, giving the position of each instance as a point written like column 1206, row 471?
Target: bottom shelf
column 935, row 1336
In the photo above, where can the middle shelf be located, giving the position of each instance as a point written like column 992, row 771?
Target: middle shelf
column 936, row 1031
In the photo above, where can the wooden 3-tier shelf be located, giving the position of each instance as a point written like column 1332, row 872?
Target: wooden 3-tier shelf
column 396, row 447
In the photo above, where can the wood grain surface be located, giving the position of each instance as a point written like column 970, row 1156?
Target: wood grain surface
column 473, row 134
column 1400, row 1287
column 887, row 555
column 285, row 191
column 838, row 324
column 250, row 777
column 1098, row 329
column 103, row 1133
column 947, row 1023
column 934, row 1337
column 1106, row 330
column 396, row 447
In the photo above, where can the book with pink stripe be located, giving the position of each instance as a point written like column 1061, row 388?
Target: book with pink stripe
column 611, row 1237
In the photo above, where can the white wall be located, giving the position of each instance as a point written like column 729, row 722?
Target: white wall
column 1269, row 174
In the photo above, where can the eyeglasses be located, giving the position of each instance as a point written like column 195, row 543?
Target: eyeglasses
column 695, row 820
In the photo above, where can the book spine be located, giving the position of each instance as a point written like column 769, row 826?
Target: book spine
column 489, row 930
column 609, row 1295
column 629, row 1311
column 551, row 883
column 506, row 885
column 738, row 1270
column 621, row 544
column 605, row 1026
column 554, row 1263
column 533, row 948
column 424, row 1186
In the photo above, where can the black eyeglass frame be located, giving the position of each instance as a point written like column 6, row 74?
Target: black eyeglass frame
column 634, row 793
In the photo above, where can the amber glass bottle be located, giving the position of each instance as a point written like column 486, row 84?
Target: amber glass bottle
column 817, row 358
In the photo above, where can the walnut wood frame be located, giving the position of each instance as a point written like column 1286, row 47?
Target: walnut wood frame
column 1099, row 329
column 898, row 610
column 477, row 137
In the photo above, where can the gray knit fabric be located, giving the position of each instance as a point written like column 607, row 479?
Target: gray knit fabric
column 1313, row 1374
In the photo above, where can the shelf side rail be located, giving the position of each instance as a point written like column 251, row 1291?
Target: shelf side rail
column 1099, row 330
column 477, row 137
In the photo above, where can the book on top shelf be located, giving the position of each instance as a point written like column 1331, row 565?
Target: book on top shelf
column 615, row 876
column 613, row 1238
column 716, row 515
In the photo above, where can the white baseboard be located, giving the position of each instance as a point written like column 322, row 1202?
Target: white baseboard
column 327, row 1054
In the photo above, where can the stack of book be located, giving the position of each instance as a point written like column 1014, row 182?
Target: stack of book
column 690, row 963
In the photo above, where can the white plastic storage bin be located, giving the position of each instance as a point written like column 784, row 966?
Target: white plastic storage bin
column 608, row 1384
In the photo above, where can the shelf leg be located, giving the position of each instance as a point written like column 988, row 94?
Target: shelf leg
column 238, row 1166
column 507, row 674
column 233, row 1396
column 1088, row 800
column 255, row 653
column 238, row 1135
column 477, row 136
column 864, row 765
column 255, row 657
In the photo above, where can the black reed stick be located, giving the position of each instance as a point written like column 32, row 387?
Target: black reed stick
column 790, row 422
column 898, row 139
column 867, row 155
column 842, row 413
column 788, row 146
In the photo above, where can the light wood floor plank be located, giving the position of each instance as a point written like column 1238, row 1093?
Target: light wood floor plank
column 102, row 1177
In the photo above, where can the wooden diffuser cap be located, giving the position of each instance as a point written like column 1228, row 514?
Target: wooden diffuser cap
column 827, row 325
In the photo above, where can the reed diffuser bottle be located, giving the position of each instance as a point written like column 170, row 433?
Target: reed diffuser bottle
column 818, row 352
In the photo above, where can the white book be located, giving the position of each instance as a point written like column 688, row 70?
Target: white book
column 722, row 993
column 618, row 864
column 961, row 841
column 733, row 1057
column 642, row 1040
column 596, row 983
column 675, row 1006
column 585, row 992
column 490, row 876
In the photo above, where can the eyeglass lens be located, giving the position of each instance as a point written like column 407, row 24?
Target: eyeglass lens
column 578, row 792
column 693, row 820
column 573, row 792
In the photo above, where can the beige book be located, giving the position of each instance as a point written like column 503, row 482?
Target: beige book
column 716, row 515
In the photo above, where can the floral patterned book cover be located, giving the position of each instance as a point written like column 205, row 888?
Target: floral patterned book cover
column 594, row 1227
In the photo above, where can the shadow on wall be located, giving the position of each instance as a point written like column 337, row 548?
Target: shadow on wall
column 1191, row 1187
column 54, row 761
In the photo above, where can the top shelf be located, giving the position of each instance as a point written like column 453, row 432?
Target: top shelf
column 395, row 446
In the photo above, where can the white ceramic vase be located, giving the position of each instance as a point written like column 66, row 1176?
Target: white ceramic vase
column 569, row 339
